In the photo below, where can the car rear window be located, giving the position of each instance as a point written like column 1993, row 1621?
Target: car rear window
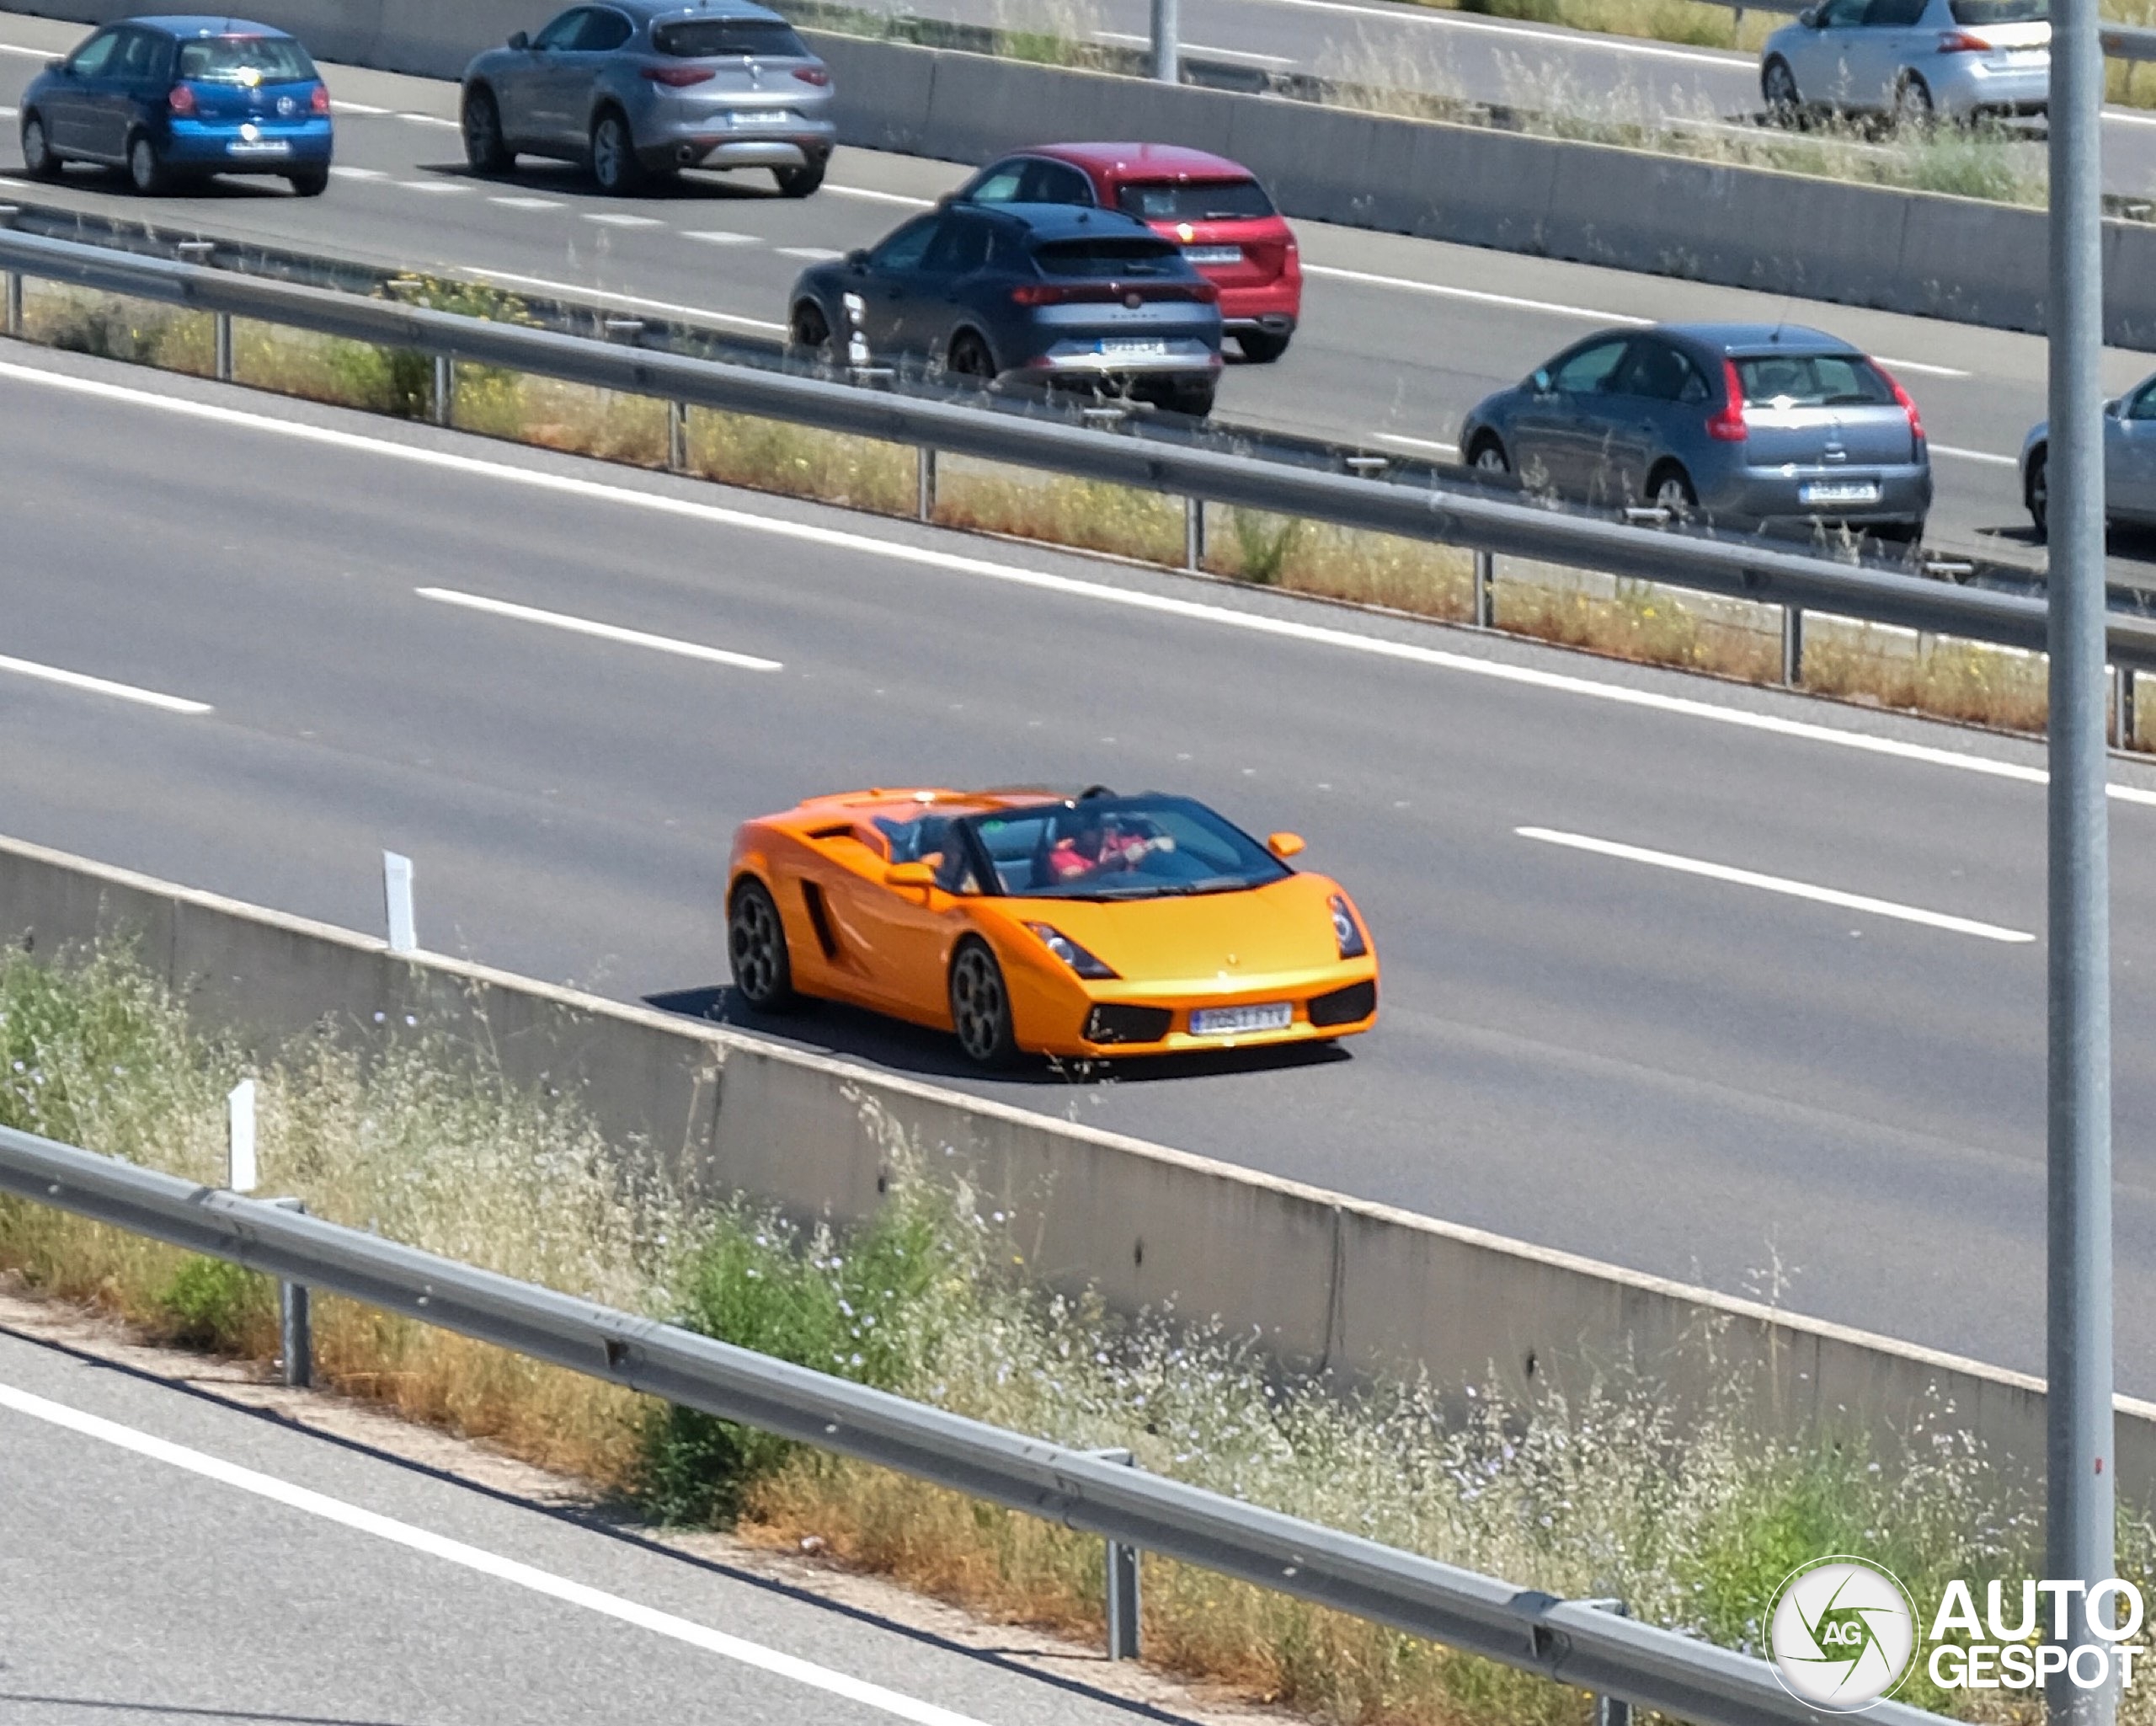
column 1116, row 259
column 244, row 60
column 1976, row 11
column 1201, row 201
column 728, row 39
column 1812, row 381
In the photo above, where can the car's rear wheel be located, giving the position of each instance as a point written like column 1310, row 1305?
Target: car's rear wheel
column 1488, row 457
column 2037, row 490
column 146, row 167
column 38, row 161
column 614, row 162
column 310, row 182
column 970, row 357
column 756, row 947
column 1670, row 490
column 484, row 147
column 1913, row 106
column 1777, row 85
column 1262, row 347
column 810, row 331
column 799, row 182
column 980, row 1007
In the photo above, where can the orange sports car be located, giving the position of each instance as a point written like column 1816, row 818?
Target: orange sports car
column 1092, row 925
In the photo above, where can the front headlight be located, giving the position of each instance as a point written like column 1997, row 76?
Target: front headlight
column 1346, row 930
column 1070, row 952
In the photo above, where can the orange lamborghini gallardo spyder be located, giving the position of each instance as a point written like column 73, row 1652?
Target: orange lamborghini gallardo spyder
column 1093, row 925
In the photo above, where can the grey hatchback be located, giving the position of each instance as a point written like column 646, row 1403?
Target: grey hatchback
column 1748, row 426
column 639, row 88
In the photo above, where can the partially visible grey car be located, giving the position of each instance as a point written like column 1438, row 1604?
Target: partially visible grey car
column 1754, row 427
column 1916, row 60
column 2129, row 462
column 642, row 88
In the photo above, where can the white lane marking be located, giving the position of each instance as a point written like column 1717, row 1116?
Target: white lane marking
column 514, row 202
column 876, row 197
column 1198, row 48
column 1436, row 444
column 811, row 255
column 1778, row 884
column 1987, row 457
column 10, row 113
column 603, row 632
column 429, row 120
column 619, row 219
column 104, row 685
column 432, row 185
column 1479, row 296
column 28, row 53
column 426, row 1541
column 726, row 237
column 1922, row 366
column 1573, row 39
column 891, row 551
column 343, row 172
column 343, row 107
column 614, row 299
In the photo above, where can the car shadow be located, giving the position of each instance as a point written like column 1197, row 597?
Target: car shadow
column 570, row 179
column 855, row 1034
column 76, row 176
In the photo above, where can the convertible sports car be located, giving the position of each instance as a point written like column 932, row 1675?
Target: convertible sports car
column 1087, row 925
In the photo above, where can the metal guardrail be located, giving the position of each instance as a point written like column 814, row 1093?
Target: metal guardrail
column 1569, row 1642
column 1130, row 453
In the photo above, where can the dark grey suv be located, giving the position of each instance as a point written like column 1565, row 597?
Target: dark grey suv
column 1747, row 426
column 640, row 88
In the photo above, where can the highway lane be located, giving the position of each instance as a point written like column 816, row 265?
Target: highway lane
column 173, row 1558
column 1402, row 335
column 1693, row 1076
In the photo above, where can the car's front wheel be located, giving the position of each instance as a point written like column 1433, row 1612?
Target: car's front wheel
column 756, row 947
column 38, row 161
column 980, row 1007
column 614, row 162
column 1777, row 85
column 484, row 147
column 810, row 331
column 1488, row 457
column 2036, row 489
column 146, row 167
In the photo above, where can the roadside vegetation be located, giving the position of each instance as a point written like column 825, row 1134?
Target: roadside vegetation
column 1874, row 667
column 1690, row 1517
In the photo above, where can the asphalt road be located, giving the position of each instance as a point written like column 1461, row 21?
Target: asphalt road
column 172, row 1559
column 1613, row 1054
column 1402, row 335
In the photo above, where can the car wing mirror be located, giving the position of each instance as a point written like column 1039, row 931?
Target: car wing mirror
column 1284, row 846
column 910, row 877
column 2111, row 408
column 856, row 261
column 1540, row 382
column 1811, row 18
column 58, row 65
column 519, row 40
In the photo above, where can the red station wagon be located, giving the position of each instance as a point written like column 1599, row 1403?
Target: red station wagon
column 1213, row 209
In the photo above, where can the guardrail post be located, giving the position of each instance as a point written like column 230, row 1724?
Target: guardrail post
column 1193, row 533
column 444, row 402
column 296, row 1319
column 1609, row 1710
column 1485, row 590
column 222, row 323
column 2123, row 725
column 13, row 324
column 1792, row 645
column 924, row 484
column 397, row 897
column 1122, row 1596
column 677, row 437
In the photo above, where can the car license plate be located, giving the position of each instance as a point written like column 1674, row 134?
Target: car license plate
column 1214, row 254
column 1133, row 348
column 1235, row 1021
column 756, row 120
column 1839, row 491
column 259, row 146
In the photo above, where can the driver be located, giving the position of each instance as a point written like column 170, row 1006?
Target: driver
column 1101, row 845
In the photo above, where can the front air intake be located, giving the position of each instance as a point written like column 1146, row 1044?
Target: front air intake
column 1115, row 1022
column 1345, row 1007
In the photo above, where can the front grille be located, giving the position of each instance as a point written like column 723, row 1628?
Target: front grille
column 1116, row 1023
column 1344, row 1007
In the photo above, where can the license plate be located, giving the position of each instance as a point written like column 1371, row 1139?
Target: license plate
column 1839, row 491
column 259, row 146
column 761, row 120
column 1214, row 254
column 1235, row 1021
column 1132, row 349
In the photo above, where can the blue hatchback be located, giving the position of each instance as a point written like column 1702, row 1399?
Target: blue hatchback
column 172, row 99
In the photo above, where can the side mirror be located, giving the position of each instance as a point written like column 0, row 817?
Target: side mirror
column 1284, row 846
column 910, row 877
column 856, row 261
column 1540, row 382
column 2111, row 408
column 56, row 64
column 519, row 40
column 1811, row 18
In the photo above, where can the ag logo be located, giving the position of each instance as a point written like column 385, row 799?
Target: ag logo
column 1842, row 1633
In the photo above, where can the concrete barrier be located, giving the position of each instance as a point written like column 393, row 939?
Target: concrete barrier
column 1326, row 1282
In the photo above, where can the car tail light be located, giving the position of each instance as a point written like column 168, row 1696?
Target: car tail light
column 813, row 75
column 1064, row 293
column 1205, row 293
column 680, row 78
column 1961, row 42
column 1907, row 405
column 1726, row 422
column 180, row 99
column 319, row 103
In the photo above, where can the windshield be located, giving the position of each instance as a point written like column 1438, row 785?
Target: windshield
column 244, row 60
column 728, row 38
column 1121, row 847
column 1205, row 201
column 1111, row 260
column 2001, row 11
column 1813, row 381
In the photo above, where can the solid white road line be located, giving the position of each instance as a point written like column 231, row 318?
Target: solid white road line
column 1437, row 445
column 104, row 686
column 429, row 120
column 1986, row 457
column 1778, row 884
column 895, row 551
column 1198, row 48
column 636, row 300
column 1924, row 366
column 876, row 197
column 343, row 107
column 1571, row 39
column 603, row 632
column 426, row 1541
column 1478, row 295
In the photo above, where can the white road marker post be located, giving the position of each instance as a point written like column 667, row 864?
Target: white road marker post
column 397, row 897
column 241, row 1173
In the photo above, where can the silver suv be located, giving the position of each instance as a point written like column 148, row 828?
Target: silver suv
column 640, row 90
column 1916, row 60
